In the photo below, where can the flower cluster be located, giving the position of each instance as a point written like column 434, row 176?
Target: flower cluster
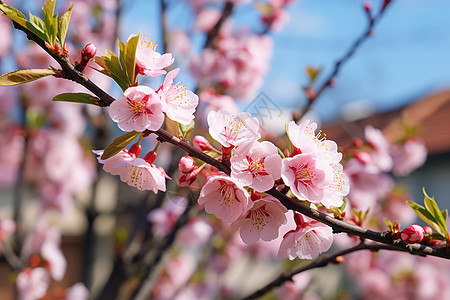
column 141, row 109
column 313, row 173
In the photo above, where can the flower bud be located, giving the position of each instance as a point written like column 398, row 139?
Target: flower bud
column 201, row 143
column 187, row 179
column 186, row 164
column 412, row 234
column 135, row 149
column 363, row 157
column 150, row 157
column 88, row 52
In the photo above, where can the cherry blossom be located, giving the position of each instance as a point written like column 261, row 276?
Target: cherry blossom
column 257, row 165
column 305, row 140
column 262, row 220
column 233, row 130
column 178, row 103
column 408, row 157
column 148, row 61
column 380, row 154
column 77, row 292
column 134, row 171
column 307, row 241
column 307, row 175
column 138, row 109
column 32, row 284
column 57, row 263
column 225, row 198
column 412, row 234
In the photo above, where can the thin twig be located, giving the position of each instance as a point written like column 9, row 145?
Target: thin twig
column 318, row 263
column 214, row 32
column 337, row 66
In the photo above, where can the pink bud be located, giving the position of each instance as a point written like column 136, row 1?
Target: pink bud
column 88, row 52
column 428, row 229
column 186, row 164
column 412, row 234
column 201, row 143
column 367, row 5
column 187, row 179
column 363, row 157
column 135, row 149
column 150, row 157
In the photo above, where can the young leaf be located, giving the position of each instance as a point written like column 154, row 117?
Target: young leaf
column 64, row 25
column 78, row 98
column 184, row 130
column 424, row 214
column 37, row 26
column 389, row 224
column 14, row 14
column 119, row 143
column 115, row 70
column 434, row 210
column 130, row 57
column 50, row 21
column 23, row 76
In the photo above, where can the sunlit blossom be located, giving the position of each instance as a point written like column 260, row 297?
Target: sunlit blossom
column 139, row 108
column 233, row 129
column 148, row 61
column 257, row 165
column 178, row 102
column 223, row 197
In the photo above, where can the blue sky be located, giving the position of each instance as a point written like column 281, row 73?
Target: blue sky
column 408, row 56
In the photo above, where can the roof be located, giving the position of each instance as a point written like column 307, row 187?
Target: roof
column 431, row 114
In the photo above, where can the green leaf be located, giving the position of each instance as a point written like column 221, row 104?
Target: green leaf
column 389, row 224
column 312, row 73
column 77, row 98
column 130, row 57
column 115, row 70
column 14, row 14
column 280, row 153
column 119, row 143
column 434, row 210
column 50, row 21
column 37, row 26
column 435, row 236
column 23, row 76
column 63, row 25
column 424, row 214
column 184, row 130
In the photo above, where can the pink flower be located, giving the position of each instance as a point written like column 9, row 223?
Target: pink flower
column 369, row 184
column 305, row 140
column 196, row 232
column 262, row 221
column 134, row 171
column 308, row 176
column 149, row 62
column 225, row 198
column 53, row 255
column 32, row 284
column 178, row 103
column 78, row 292
column 165, row 217
column 138, row 109
column 412, row 234
column 257, row 165
column 233, row 130
column 380, row 153
column 408, row 157
column 307, row 241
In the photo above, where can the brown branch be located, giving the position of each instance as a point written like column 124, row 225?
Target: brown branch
column 212, row 34
column 337, row 225
column 337, row 66
column 318, row 263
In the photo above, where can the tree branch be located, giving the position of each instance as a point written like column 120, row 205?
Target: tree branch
column 337, row 66
column 318, row 263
